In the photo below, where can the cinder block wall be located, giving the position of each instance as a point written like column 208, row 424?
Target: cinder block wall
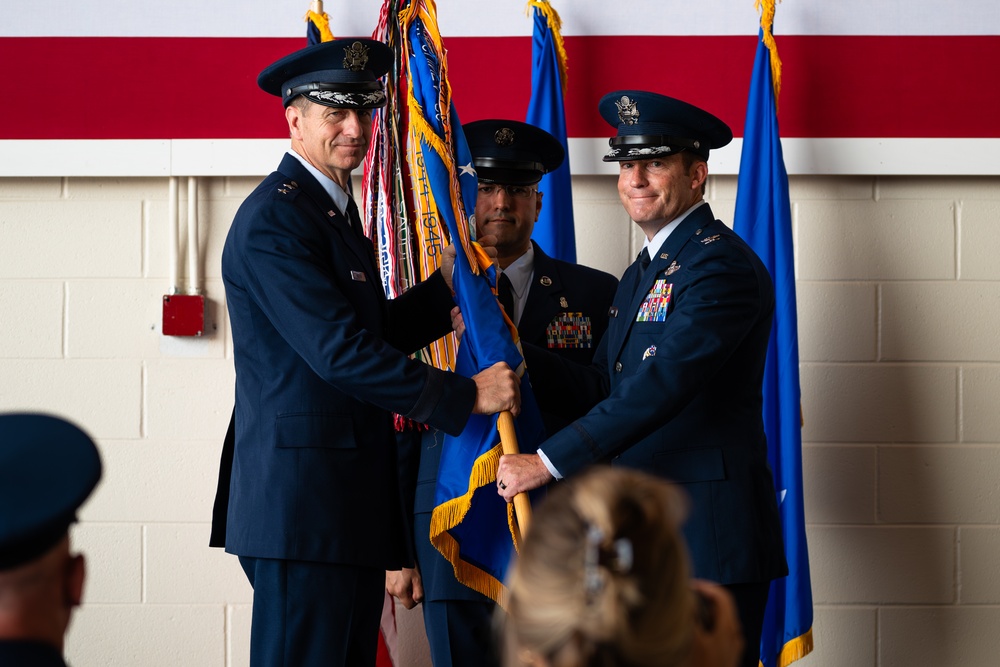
column 898, row 314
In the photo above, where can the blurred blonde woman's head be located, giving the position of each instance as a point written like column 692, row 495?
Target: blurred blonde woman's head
column 603, row 578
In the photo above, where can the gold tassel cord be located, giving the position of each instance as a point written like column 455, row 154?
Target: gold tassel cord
column 555, row 25
column 322, row 22
column 766, row 9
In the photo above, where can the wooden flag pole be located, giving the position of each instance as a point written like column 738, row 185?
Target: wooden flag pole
column 508, row 440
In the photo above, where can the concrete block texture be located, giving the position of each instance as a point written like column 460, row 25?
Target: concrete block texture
column 180, row 568
column 114, row 561
column 879, row 403
column 939, row 636
column 31, row 189
column 837, row 320
column 214, row 219
column 950, row 484
column 843, row 636
column 129, row 635
column 124, row 319
column 885, row 565
column 157, row 480
column 940, row 321
column 980, row 243
column 979, row 572
column 980, row 416
column 858, row 240
column 104, row 397
column 839, row 484
column 71, row 239
column 32, row 319
column 897, row 295
column 189, row 398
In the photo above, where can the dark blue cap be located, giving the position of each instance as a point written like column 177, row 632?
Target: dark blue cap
column 511, row 152
column 651, row 125
column 48, row 467
column 340, row 73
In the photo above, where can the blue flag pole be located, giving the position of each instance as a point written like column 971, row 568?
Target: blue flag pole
column 763, row 218
column 554, row 230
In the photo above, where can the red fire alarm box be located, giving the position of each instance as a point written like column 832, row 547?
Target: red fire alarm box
column 183, row 314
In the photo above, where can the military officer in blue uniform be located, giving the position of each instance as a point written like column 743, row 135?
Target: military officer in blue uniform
column 675, row 387
column 314, row 509
column 556, row 305
column 48, row 468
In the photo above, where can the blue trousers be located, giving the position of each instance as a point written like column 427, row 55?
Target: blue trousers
column 313, row 614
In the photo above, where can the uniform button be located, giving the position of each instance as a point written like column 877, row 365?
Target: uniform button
column 618, row 367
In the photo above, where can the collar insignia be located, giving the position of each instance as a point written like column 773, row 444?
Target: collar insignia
column 673, row 268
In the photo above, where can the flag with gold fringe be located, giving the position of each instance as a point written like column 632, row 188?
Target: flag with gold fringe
column 554, row 230
column 317, row 24
column 763, row 218
column 471, row 525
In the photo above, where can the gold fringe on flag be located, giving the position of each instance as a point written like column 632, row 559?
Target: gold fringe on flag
column 322, row 23
column 555, row 25
column 797, row 648
column 451, row 513
column 766, row 9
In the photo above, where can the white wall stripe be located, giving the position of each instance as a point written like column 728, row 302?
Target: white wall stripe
column 258, row 157
column 268, row 18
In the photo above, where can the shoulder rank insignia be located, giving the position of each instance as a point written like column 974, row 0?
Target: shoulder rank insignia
column 710, row 239
column 672, row 269
column 650, row 352
column 288, row 187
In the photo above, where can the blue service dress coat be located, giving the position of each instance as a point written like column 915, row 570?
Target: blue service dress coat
column 675, row 390
column 321, row 366
column 14, row 653
column 566, row 311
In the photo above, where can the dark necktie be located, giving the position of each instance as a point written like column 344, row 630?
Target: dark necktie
column 506, row 295
column 643, row 260
column 354, row 217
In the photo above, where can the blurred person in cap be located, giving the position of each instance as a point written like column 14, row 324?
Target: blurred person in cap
column 312, row 506
column 675, row 388
column 556, row 305
column 48, row 468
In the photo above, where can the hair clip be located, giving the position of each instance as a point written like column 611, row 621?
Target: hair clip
column 591, row 575
column 623, row 557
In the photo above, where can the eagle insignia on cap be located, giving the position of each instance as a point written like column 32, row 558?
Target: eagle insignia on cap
column 627, row 111
column 356, row 57
column 504, row 136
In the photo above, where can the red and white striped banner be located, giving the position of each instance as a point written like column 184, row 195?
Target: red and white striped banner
column 868, row 87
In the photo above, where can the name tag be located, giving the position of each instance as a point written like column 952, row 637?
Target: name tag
column 654, row 308
column 359, row 276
